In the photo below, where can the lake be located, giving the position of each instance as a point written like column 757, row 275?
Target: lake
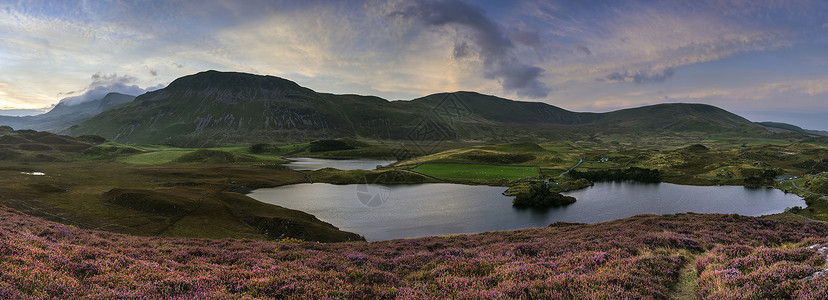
column 403, row 211
column 312, row 164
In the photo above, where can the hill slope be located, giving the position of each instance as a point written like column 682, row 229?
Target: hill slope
column 794, row 128
column 33, row 146
column 64, row 115
column 213, row 107
column 640, row 257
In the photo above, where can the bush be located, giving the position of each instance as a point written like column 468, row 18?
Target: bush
column 539, row 195
column 633, row 173
column 261, row 148
column 329, row 145
column 766, row 177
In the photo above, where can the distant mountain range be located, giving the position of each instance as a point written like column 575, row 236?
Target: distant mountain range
column 793, row 128
column 218, row 108
column 225, row 107
column 64, row 115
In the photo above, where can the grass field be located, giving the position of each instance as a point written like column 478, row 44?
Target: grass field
column 476, row 172
column 160, row 156
column 155, row 158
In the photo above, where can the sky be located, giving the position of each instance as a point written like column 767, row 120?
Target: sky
column 764, row 60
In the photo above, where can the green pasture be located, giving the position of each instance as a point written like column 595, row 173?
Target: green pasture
column 476, row 171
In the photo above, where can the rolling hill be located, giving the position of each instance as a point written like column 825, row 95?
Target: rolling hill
column 214, row 108
column 64, row 115
column 793, row 128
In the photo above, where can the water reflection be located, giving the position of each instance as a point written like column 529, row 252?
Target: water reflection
column 442, row 208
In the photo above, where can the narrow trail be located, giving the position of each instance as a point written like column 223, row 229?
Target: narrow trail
column 804, row 191
column 580, row 161
column 685, row 288
column 806, row 218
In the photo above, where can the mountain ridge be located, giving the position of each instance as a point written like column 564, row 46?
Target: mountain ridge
column 214, row 108
column 64, row 115
column 793, row 128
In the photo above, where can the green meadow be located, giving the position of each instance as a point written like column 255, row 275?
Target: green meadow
column 476, row 171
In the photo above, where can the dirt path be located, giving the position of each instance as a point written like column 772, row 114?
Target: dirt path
column 685, row 288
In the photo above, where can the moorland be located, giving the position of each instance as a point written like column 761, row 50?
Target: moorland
column 133, row 201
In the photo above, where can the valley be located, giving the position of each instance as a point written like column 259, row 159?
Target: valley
column 139, row 178
column 407, row 150
column 189, row 192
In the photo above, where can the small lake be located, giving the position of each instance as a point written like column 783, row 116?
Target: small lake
column 312, row 164
column 403, row 211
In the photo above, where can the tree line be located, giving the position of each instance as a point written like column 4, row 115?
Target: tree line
column 632, row 173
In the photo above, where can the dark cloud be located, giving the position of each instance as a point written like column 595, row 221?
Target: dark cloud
column 495, row 47
column 523, row 79
column 103, row 84
column 461, row 50
column 654, row 77
column 640, row 76
column 583, row 49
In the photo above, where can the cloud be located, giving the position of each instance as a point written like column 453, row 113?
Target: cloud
column 640, row 76
column 103, row 84
column 495, row 48
column 461, row 50
column 638, row 42
column 583, row 49
column 525, row 36
column 523, row 79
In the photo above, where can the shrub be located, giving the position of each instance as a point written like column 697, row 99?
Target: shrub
column 329, row 145
column 632, row 173
column 261, row 148
column 539, row 195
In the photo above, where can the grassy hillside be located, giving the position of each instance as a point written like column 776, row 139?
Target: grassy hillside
column 213, row 108
column 36, row 146
column 794, row 128
column 476, row 172
column 150, row 190
column 687, row 255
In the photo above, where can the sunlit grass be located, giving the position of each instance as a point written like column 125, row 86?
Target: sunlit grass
column 155, row 158
column 476, row 172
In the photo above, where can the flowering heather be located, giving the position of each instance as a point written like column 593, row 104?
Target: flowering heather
column 740, row 271
column 638, row 257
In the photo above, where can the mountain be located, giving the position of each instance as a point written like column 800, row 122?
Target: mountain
column 213, row 108
column 64, row 115
column 794, row 128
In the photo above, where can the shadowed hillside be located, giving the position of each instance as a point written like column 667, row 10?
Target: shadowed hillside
column 64, row 115
column 213, row 108
column 31, row 146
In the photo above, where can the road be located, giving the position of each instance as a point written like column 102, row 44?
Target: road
column 580, row 161
column 809, row 192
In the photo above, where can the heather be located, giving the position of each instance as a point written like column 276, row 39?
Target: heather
column 638, row 257
column 745, row 272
